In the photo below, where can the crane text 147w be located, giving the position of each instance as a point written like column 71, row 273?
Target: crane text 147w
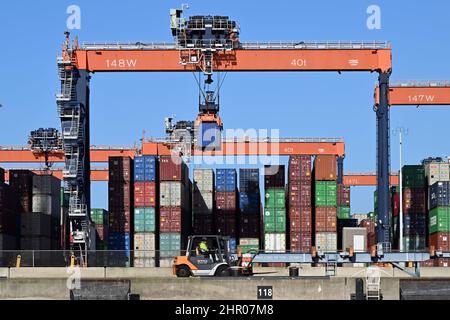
column 421, row 98
column 121, row 63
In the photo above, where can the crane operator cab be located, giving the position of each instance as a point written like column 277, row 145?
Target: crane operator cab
column 205, row 256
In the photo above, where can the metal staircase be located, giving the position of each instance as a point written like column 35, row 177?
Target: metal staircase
column 331, row 266
column 72, row 114
column 373, row 281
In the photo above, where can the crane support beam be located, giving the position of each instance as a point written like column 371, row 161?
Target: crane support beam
column 285, row 147
column 118, row 60
column 416, row 95
column 366, row 179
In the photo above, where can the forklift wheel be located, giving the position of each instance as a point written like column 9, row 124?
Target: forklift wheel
column 183, row 272
column 223, row 271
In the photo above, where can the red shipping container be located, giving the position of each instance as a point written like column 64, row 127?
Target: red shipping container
column 440, row 241
column 144, row 194
column 300, row 241
column 225, row 201
column 395, row 198
column 172, row 168
column 299, row 168
column 371, row 240
column 21, row 183
column 203, row 224
column 276, row 265
column 121, row 223
column 427, row 263
column 414, row 200
column 249, row 226
column 100, row 229
column 325, row 167
column 226, row 225
column 300, row 218
column 442, row 262
column 343, row 195
column 274, row 176
column 170, row 219
column 299, row 194
column 325, row 219
column 119, row 196
column 120, row 168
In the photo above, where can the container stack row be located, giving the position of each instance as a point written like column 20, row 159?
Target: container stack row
column 249, row 222
column 100, row 218
column 226, row 201
column 274, row 209
column 146, row 219
column 120, row 201
column 203, row 201
column 8, row 218
column 437, row 178
column 175, row 214
column 299, row 201
column 325, row 199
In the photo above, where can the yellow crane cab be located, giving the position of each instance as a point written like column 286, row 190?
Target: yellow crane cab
column 215, row 261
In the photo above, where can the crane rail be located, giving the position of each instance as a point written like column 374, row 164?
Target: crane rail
column 420, row 83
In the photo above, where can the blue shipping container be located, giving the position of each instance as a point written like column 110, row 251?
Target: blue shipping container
column 249, row 180
column 233, row 245
column 210, row 135
column 249, row 202
column 119, row 241
column 439, row 194
column 145, row 168
column 226, row 180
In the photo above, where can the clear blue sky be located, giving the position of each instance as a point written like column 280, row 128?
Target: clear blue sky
column 300, row 104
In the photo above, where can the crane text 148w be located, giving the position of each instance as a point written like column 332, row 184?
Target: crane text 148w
column 421, row 98
column 121, row 63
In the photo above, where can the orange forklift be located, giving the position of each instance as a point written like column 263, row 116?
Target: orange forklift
column 216, row 261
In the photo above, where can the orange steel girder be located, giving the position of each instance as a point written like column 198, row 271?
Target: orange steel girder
column 379, row 60
column 416, row 96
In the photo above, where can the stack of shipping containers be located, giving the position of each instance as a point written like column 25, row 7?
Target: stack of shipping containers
column 325, row 215
column 414, row 208
column 203, row 202
column 175, row 220
column 100, row 218
column 120, row 191
column 146, row 219
column 46, row 200
column 343, row 201
column 274, row 210
column 8, row 224
column 225, row 215
column 299, row 198
column 438, row 178
column 249, row 221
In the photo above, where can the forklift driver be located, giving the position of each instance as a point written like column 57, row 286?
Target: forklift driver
column 203, row 249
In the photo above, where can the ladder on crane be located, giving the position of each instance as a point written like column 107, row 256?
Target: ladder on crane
column 331, row 266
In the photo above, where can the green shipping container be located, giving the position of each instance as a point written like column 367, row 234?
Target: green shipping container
column 275, row 198
column 99, row 216
column 325, row 193
column 343, row 212
column 274, row 220
column 144, row 220
column 249, row 248
column 169, row 245
column 439, row 220
column 414, row 176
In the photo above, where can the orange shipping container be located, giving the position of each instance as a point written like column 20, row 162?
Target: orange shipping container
column 325, row 168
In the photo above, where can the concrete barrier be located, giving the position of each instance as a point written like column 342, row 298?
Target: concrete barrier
column 133, row 273
column 55, row 273
column 4, row 273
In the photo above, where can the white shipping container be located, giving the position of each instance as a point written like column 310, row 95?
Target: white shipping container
column 204, row 179
column 249, row 242
column 144, row 245
column 166, row 262
column 47, row 204
column 144, row 262
column 436, row 172
column 275, row 242
column 170, row 194
column 326, row 241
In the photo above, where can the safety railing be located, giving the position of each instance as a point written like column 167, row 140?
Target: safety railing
column 420, row 83
column 262, row 140
column 258, row 45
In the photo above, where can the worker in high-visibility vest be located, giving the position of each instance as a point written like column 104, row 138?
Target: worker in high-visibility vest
column 202, row 248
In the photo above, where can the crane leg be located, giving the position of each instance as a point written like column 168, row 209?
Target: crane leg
column 340, row 170
column 383, row 163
